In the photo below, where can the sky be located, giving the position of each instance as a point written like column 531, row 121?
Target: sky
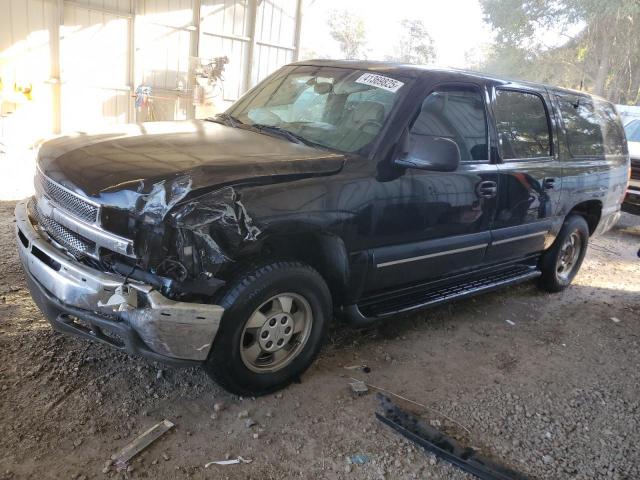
column 456, row 26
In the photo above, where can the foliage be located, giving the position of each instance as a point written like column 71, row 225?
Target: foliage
column 598, row 51
column 348, row 29
column 415, row 44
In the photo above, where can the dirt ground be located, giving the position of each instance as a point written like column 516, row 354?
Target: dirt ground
column 547, row 383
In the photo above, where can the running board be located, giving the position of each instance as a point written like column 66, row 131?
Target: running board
column 417, row 298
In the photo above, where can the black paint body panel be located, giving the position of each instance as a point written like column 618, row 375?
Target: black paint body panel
column 380, row 215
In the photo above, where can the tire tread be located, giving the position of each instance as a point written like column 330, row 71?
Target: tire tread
column 244, row 280
column 549, row 281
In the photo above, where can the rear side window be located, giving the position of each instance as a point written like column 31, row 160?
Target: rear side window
column 612, row 132
column 456, row 113
column 582, row 125
column 523, row 125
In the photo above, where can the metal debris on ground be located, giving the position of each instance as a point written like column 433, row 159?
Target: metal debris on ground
column 358, row 388
column 363, row 368
column 143, row 441
column 234, row 461
column 433, row 410
column 510, row 322
column 615, row 320
column 447, row 448
column 358, row 459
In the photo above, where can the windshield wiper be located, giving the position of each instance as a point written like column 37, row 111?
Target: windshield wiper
column 226, row 119
column 282, row 132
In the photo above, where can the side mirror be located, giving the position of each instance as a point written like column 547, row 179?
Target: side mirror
column 428, row 153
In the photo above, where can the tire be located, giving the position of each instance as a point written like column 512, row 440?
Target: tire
column 557, row 272
column 246, row 301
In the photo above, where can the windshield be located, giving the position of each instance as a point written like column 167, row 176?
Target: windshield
column 632, row 129
column 338, row 108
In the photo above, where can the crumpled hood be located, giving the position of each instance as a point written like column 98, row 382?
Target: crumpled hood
column 185, row 156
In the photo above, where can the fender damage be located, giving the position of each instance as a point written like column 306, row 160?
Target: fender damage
column 178, row 198
column 176, row 190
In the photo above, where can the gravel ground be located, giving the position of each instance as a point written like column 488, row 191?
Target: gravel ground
column 546, row 383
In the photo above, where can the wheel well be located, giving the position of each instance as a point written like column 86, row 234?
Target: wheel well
column 591, row 210
column 326, row 254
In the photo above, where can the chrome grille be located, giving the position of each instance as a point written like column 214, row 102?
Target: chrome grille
column 67, row 200
column 76, row 244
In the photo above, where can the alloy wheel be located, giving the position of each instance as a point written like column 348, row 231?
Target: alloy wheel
column 276, row 333
column 569, row 255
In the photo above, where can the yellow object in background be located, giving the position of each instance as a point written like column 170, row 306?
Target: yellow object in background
column 25, row 90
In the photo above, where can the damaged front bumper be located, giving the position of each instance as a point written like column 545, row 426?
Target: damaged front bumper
column 127, row 315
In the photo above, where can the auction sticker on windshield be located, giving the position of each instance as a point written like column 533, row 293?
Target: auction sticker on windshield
column 380, row 81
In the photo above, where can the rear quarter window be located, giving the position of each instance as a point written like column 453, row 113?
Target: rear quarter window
column 612, row 132
column 582, row 126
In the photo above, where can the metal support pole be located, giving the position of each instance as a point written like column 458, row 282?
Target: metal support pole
column 194, row 51
column 296, row 38
column 131, row 113
column 56, row 20
column 250, row 60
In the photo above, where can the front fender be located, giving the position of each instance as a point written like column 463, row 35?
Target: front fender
column 219, row 223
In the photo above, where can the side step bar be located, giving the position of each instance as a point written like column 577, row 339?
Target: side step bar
column 420, row 297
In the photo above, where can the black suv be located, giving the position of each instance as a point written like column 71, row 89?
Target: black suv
column 357, row 189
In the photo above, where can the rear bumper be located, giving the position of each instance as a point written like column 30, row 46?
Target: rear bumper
column 608, row 219
column 138, row 319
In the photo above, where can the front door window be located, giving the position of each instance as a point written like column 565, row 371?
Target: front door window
column 455, row 113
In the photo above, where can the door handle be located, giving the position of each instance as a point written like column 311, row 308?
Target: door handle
column 549, row 183
column 487, row 189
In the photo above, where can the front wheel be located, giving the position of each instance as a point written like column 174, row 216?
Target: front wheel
column 276, row 317
column 561, row 262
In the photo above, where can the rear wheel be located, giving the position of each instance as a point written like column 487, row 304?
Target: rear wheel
column 276, row 317
column 561, row 262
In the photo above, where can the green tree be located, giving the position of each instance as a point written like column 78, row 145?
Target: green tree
column 599, row 53
column 348, row 29
column 415, row 44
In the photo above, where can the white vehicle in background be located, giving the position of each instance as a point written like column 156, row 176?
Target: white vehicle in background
column 628, row 113
column 632, row 200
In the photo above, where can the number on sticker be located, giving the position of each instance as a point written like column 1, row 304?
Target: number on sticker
column 380, row 81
